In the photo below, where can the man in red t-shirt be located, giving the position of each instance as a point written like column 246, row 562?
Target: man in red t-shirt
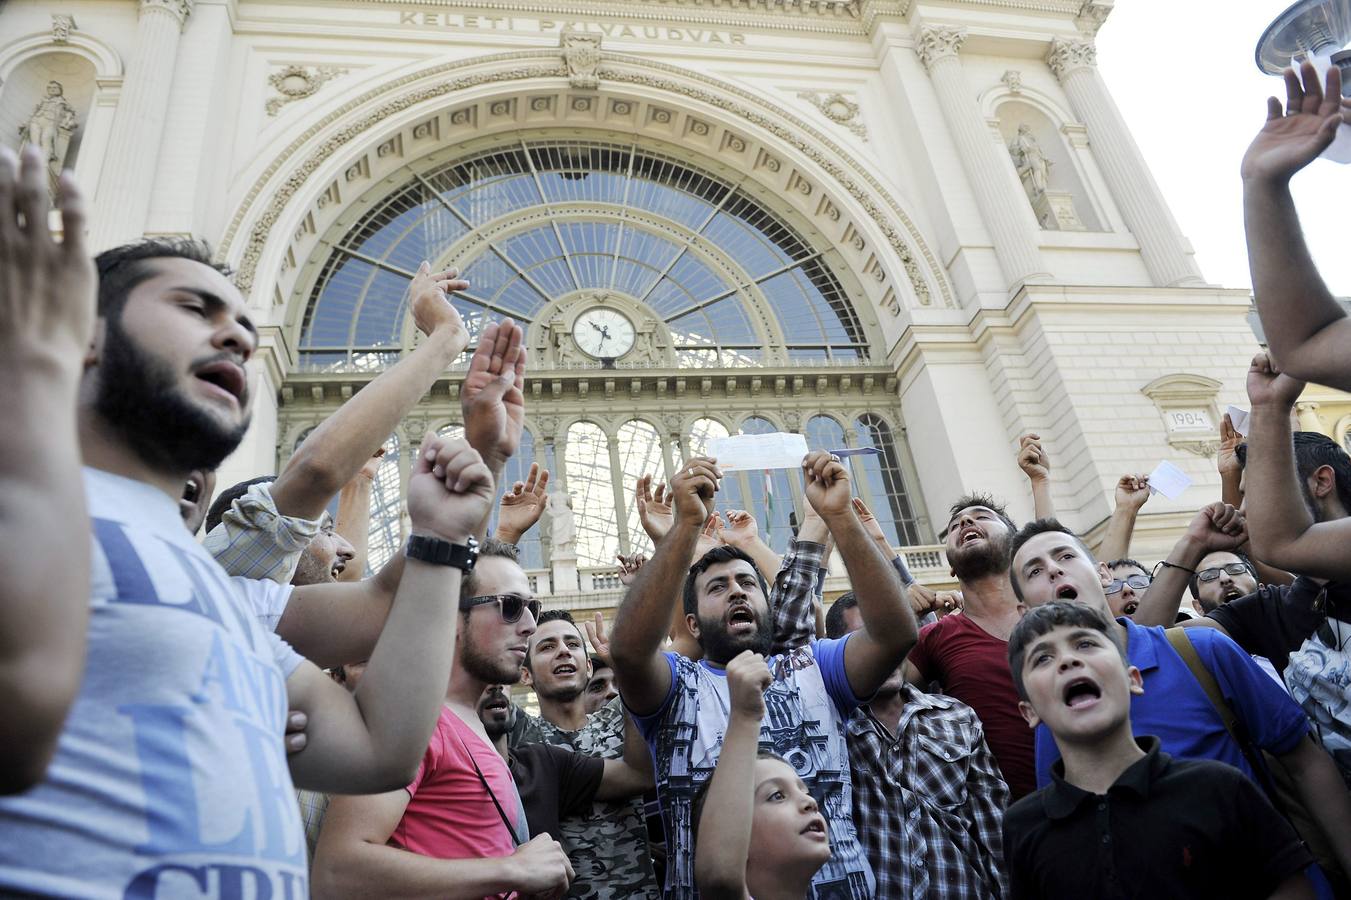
column 968, row 652
column 458, row 830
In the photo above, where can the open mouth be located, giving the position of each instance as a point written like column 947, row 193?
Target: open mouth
column 498, row 703
column 741, row 615
column 226, row 376
column 1081, row 692
column 338, row 568
column 1232, row 593
column 565, row 669
column 969, row 535
column 1067, row 592
column 817, row 826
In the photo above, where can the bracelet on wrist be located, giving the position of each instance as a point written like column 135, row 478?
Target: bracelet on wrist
column 1165, row 562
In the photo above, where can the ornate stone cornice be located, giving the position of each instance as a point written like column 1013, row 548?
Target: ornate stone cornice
column 179, row 9
column 936, row 42
column 1066, row 57
column 1092, row 14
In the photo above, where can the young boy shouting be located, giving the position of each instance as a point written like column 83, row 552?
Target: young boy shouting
column 1121, row 818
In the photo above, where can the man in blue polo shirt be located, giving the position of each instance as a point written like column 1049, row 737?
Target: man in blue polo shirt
column 1049, row 562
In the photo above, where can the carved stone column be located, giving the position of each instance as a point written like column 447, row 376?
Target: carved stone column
column 122, row 201
column 1142, row 205
column 1006, row 215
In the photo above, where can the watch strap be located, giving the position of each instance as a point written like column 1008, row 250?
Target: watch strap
column 442, row 553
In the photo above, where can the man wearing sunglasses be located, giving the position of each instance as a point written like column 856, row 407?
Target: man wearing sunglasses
column 459, row 828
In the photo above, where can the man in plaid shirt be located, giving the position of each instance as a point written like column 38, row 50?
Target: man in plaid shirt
column 928, row 797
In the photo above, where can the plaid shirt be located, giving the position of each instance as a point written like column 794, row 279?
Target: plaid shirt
column 313, row 806
column 253, row 540
column 929, row 801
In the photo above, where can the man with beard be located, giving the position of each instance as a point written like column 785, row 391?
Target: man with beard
column 169, row 775
column 459, row 829
column 966, row 653
column 682, row 706
column 608, row 844
column 554, row 783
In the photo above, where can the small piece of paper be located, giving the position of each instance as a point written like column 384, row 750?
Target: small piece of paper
column 1239, row 418
column 856, row 451
column 779, row 450
column 1169, row 480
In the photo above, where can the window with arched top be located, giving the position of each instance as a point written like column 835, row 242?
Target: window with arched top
column 823, row 433
column 771, row 494
column 880, row 481
column 385, row 535
column 590, row 484
column 640, row 453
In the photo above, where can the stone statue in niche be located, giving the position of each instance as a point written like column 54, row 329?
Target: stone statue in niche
column 648, row 349
column 49, row 128
column 1033, row 166
column 562, row 524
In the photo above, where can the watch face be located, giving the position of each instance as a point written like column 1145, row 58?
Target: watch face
column 603, row 333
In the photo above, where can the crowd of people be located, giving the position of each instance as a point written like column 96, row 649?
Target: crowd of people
column 209, row 697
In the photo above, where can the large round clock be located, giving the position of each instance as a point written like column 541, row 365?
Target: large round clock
column 603, row 333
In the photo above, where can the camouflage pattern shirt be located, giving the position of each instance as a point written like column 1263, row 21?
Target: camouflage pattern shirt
column 608, row 848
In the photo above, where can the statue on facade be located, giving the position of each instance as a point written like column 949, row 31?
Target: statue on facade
column 562, row 524
column 1032, row 165
column 49, row 128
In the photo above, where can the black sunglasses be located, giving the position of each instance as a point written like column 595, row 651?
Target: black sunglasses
column 1137, row 582
column 510, row 605
column 1234, row 568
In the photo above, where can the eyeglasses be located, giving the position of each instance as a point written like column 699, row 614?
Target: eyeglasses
column 510, row 605
column 1234, row 568
column 1137, row 583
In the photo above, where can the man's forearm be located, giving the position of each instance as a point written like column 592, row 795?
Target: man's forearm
column 336, row 450
column 361, row 869
column 1324, row 793
column 44, row 552
column 405, row 681
column 725, row 822
column 1276, row 515
column 1293, row 301
column 882, row 605
column 1043, row 507
column 644, row 617
column 1164, row 597
column 1116, row 542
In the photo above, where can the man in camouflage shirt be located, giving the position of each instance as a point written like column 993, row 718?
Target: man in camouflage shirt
column 608, row 849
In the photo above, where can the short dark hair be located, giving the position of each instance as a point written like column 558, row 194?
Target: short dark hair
column 1127, row 561
column 1194, row 581
column 227, row 497
column 1044, row 619
column 701, row 795
column 720, row 554
column 122, row 268
column 486, row 548
column 835, row 627
column 555, row 615
column 1031, row 530
column 1313, row 451
column 976, row 498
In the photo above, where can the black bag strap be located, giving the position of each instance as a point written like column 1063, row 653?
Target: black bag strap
column 511, row 829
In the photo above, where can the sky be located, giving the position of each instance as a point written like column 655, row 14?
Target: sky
column 1183, row 75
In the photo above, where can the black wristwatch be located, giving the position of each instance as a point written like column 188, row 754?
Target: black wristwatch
column 443, row 553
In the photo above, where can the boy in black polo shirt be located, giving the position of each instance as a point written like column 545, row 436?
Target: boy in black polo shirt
column 1121, row 818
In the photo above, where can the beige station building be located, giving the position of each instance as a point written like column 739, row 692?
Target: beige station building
column 916, row 226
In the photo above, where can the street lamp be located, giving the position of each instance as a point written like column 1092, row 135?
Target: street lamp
column 1319, row 31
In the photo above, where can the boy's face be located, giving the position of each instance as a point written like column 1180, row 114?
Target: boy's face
column 1078, row 684
column 1052, row 566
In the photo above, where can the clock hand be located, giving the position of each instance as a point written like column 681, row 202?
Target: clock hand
column 595, row 326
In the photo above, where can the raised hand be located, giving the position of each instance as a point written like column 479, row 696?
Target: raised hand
column 371, row 467
column 654, row 509
column 48, row 288
column 522, row 506
column 1132, row 491
column 710, row 536
column 874, row 528
column 1269, row 387
column 450, row 491
column 431, row 308
column 598, row 639
column 492, row 399
column 747, row 679
column 828, row 489
column 629, row 566
column 692, row 491
column 1293, row 136
column 1033, row 459
column 1226, row 459
column 1218, row 526
column 741, row 528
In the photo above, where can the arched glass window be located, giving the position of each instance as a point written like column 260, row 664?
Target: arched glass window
column 640, row 452
column 591, row 486
column 731, row 495
column 517, row 469
column 771, row 494
column 384, row 538
column 883, row 487
column 694, row 248
column 823, row 433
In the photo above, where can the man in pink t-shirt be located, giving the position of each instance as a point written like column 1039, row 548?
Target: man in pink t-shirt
column 458, row 829
column 968, row 652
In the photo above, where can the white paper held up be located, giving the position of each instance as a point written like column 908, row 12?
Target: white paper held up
column 1239, row 418
column 1169, row 480
column 779, row 450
